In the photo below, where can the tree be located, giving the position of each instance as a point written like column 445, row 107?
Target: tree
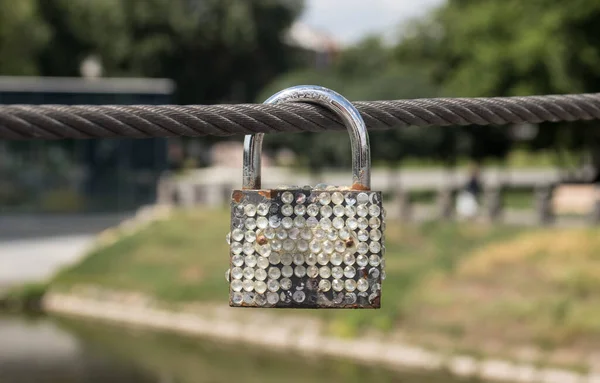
column 22, row 35
column 513, row 47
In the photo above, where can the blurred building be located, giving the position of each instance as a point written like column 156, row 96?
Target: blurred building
column 84, row 175
column 317, row 47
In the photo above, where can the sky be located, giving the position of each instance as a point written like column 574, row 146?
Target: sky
column 349, row 20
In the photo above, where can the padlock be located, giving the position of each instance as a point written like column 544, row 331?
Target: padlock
column 308, row 247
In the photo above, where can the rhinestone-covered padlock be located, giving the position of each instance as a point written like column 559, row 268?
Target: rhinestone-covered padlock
column 308, row 247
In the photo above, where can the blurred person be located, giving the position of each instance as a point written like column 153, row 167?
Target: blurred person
column 467, row 201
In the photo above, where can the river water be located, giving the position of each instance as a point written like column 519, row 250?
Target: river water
column 50, row 350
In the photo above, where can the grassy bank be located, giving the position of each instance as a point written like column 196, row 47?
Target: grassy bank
column 449, row 283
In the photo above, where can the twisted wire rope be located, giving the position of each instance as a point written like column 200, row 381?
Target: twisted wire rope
column 23, row 122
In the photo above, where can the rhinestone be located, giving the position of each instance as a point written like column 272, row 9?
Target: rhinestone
column 273, row 285
column 289, row 245
column 287, row 210
column 320, row 234
column 248, row 284
column 286, row 259
column 324, row 285
column 374, row 210
column 350, row 299
column 310, row 259
column 260, row 274
column 375, row 247
column 228, row 238
column 300, row 271
column 299, row 296
column 306, row 233
column 274, row 221
column 287, row 222
column 326, row 211
column 337, row 285
column 374, row 260
column 237, row 223
column 336, row 259
column 272, row 298
column 324, row 198
column 338, row 210
column 260, row 299
column 362, row 210
column 375, row 235
column 249, row 273
column 300, row 210
column 383, row 263
column 300, row 198
column 350, row 211
column 362, row 223
column 281, row 234
column 250, row 223
column 362, row 260
column 287, row 271
column 312, row 271
column 274, row 208
column 250, row 236
column 374, row 222
column 262, row 262
column 237, row 260
column 250, row 210
column 351, row 223
column 312, row 210
column 362, row 235
column 237, row 273
column 299, row 222
column 274, row 273
column 350, row 199
column 332, row 234
column 362, row 198
column 260, row 286
column 349, row 272
column 285, row 283
column 325, row 223
column 344, row 234
column 376, row 287
column 327, row 247
column 262, row 209
column 372, row 297
column 339, row 246
column 269, row 233
column 237, row 235
column 323, row 259
column 374, row 273
column 337, row 198
column 287, row 197
column 236, row 248
column 383, row 213
column 312, row 222
column 362, row 248
column 338, row 222
column 238, row 210
column 350, row 285
column 324, row 272
column 314, row 246
column 349, row 259
column 337, row 272
column 236, row 285
column 375, row 198
column 248, row 248
column 383, row 275
column 362, row 285
column 275, row 245
column 237, row 298
column 250, row 260
column 286, row 296
column 262, row 223
column 227, row 274
column 298, row 259
column 263, row 250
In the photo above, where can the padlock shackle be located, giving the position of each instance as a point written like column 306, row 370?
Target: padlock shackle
column 359, row 137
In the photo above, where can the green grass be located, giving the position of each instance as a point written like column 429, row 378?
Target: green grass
column 458, row 282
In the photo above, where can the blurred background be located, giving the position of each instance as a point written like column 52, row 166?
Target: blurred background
column 493, row 240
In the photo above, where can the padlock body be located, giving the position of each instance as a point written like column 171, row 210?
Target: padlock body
column 306, row 248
